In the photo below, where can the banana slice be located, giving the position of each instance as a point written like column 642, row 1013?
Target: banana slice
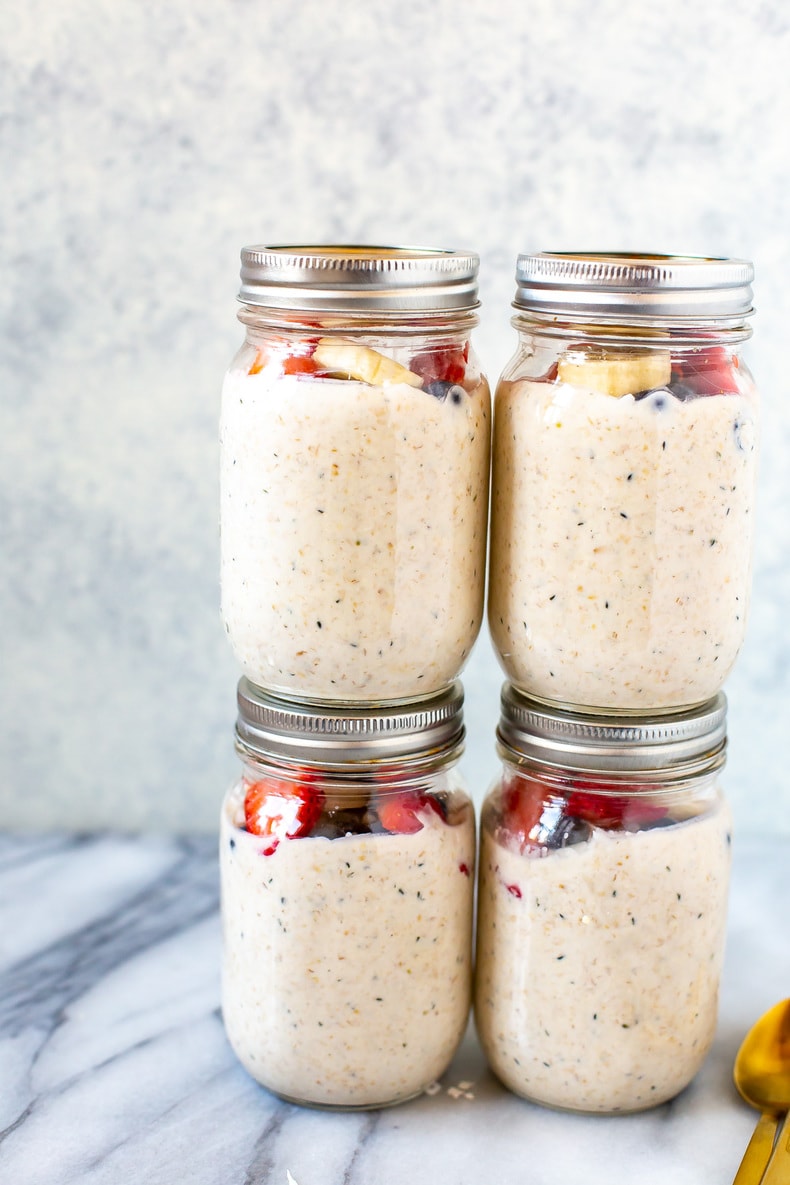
column 350, row 360
column 610, row 372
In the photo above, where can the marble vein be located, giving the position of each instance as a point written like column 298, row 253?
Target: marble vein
column 114, row 1068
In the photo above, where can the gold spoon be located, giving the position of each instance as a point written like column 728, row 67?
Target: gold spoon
column 762, row 1076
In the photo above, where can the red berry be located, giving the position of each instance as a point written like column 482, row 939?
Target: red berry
column 261, row 358
column 446, row 364
column 281, row 809
column 523, row 803
column 299, row 364
column 550, row 376
column 276, row 357
column 604, row 810
column 400, row 812
column 613, row 812
column 712, row 371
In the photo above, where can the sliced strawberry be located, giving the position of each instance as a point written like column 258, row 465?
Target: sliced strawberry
column 613, row 812
column 524, row 804
column 542, row 816
column 299, row 364
column 400, row 812
column 713, row 371
column 446, row 364
column 278, row 357
column 279, row 809
column 261, row 358
column 550, row 375
column 603, row 810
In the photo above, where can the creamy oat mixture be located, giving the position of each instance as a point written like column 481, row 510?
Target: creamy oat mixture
column 621, row 543
column 353, row 533
column 347, row 962
column 598, row 964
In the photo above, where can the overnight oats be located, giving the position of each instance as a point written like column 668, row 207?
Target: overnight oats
column 355, row 441
column 347, row 889
column 602, row 907
column 624, row 469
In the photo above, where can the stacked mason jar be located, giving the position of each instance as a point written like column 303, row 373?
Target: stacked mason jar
column 355, row 442
column 624, row 464
column 355, row 470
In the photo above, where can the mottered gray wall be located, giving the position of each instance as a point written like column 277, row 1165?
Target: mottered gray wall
column 143, row 146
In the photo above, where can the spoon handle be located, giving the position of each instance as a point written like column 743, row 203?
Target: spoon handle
column 756, row 1156
column 778, row 1169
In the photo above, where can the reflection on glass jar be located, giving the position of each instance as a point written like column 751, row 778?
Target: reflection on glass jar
column 604, row 867
column 355, row 438
column 347, row 865
column 625, row 452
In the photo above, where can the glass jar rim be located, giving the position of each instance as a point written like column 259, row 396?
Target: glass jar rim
column 427, row 732
column 358, row 278
column 635, row 287
column 673, row 745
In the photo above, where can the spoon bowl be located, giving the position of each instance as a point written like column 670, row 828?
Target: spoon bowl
column 762, row 1077
column 762, row 1067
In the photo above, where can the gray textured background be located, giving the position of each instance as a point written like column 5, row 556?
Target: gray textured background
column 142, row 145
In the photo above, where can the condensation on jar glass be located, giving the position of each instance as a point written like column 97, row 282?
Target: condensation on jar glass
column 347, row 852
column 604, row 871
column 624, row 466
column 355, row 441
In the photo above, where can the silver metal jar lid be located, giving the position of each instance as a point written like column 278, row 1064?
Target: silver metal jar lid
column 621, row 287
column 358, row 279
column 268, row 726
column 672, row 745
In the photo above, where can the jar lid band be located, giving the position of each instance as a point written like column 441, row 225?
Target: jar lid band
column 676, row 743
column 359, row 279
column 611, row 286
column 271, row 727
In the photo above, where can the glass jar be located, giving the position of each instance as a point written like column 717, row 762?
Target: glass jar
column 604, row 868
column 347, row 851
column 624, row 465
column 355, row 441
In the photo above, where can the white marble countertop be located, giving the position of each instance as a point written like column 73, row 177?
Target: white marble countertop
column 114, row 1069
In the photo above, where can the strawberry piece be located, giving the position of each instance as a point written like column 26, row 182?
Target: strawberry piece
column 550, row 376
column 613, row 812
column 274, row 356
column 261, row 358
column 278, row 809
column 446, row 364
column 524, row 802
column 541, row 816
column 400, row 812
column 603, row 810
column 713, row 371
column 299, row 364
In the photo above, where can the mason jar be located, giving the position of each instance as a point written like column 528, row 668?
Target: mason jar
column 355, row 440
column 604, row 867
column 347, row 850
column 624, row 464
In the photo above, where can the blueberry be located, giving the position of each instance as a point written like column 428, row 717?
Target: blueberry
column 682, row 391
column 568, row 831
column 440, row 390
column 652, row 824
column 657, row 397
column 558, row 830
column 335, row 824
